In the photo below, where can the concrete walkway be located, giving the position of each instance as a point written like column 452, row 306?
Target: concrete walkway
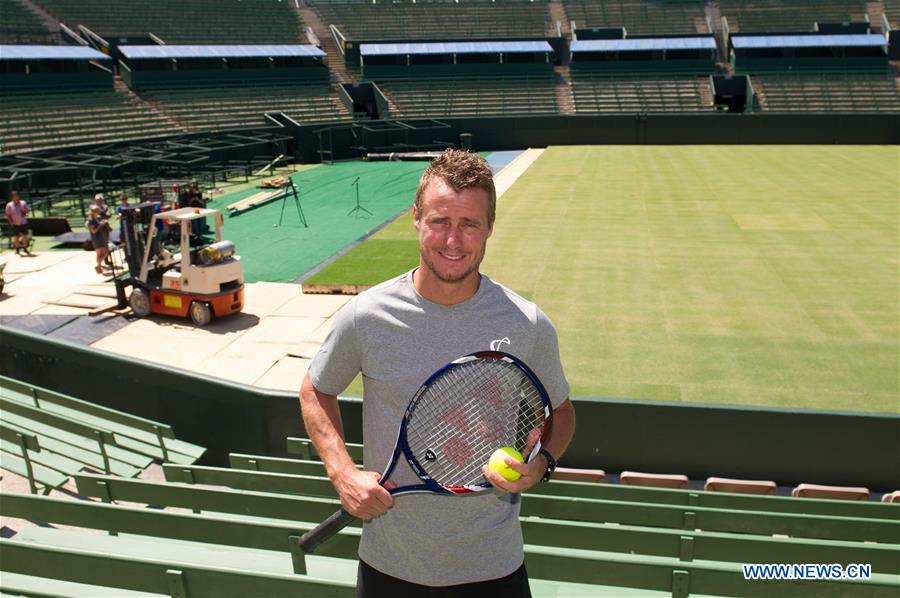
column 268, row 345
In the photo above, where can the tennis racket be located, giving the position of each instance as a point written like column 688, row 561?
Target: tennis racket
column 464, row 412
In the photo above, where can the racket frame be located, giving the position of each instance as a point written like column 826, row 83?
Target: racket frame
column 341, row 518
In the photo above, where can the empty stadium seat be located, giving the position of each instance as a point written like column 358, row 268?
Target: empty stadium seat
column 570, row 474
column 743, row 486
column 198, row 21
column 792, row 16
column 639, row 17
column 661, row 480
column 835, row 492
column 891, row 496
column 365, row 20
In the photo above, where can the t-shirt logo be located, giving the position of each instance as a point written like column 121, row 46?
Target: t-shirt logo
column 496, row 345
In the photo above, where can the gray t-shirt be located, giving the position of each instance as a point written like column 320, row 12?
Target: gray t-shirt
column 397, row 339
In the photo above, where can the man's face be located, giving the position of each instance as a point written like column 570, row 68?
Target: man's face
column 15, row 196
column 453, row 230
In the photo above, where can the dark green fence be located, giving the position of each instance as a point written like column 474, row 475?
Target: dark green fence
column 787, row 446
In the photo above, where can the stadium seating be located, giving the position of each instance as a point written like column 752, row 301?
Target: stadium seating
column 714, row 484
column 235, row 531
column 892, row 11
column 435, row 19
column 570, row 474
column 774, row 16
column 596, row 92
column 46, row 437
column 836, row 492
column 639, row 17
column 21, row 26
column 471, row 95
column 658, row 480
column 214, row 107
column 33, row 119
column 197, row 21
column 827, row 92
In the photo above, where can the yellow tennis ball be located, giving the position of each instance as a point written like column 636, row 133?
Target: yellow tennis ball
column 498, row 462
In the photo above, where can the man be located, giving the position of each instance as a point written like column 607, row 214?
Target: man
column 397, row 334
column 17, row 216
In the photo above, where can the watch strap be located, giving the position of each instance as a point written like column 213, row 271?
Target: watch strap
column 551, row 464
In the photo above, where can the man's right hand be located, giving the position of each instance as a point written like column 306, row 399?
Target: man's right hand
column 362, row 495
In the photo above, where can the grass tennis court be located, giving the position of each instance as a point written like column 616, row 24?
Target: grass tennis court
column 754, row 275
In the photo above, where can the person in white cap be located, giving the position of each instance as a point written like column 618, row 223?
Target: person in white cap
column 100, row 202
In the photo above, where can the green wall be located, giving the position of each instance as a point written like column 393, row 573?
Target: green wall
column 517, row 132
column 788, row 446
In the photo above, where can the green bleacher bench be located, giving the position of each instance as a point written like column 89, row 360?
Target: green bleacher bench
column 305, row 448
column 139, row 435
column 555, row 557
column 22, row 464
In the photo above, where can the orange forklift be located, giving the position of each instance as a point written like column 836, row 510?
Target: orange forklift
column 202, row 281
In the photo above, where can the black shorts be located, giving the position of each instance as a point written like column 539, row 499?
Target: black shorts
column 372, row 583
column 19, row 229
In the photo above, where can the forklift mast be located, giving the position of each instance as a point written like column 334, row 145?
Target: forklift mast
column 136, row 231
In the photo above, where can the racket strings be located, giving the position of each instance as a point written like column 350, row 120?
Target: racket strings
column 468, row 413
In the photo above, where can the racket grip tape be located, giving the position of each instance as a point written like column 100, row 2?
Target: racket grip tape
column 325, row 530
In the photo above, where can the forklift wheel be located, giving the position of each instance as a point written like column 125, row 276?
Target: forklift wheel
column 201, row 314
column 139, row 302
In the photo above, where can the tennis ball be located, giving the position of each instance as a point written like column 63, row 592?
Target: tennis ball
column 498, row 463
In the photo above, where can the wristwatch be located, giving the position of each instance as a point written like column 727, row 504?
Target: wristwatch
column 551, row 464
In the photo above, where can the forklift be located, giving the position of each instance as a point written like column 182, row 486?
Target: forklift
column 202, row 281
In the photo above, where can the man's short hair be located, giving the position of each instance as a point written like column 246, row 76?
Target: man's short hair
column 461, row 170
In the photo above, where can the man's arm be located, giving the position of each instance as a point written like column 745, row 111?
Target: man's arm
column 532, row 472
column 360, row 492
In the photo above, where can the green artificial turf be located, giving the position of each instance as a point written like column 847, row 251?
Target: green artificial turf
column 753, row 275
column 284, row 253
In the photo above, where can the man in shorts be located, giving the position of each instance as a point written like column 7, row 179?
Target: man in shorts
column 17, row 216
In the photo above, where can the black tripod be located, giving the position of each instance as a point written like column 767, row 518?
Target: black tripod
column 296, row 195
column 358, row 207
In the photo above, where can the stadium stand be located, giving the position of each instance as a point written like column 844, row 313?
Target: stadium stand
column 773, row 16
column 19, row 25
column 640, row 17
column 469, row 95
column 714, row 484
column 657, row 480
column 601, row 93
column 836, row 492
column 213, row 107
column 33, row 119
column 361, row 20
column 235, row 531
column 47, row 436
column 174, row 21
column 892, row 12
column 842, row 91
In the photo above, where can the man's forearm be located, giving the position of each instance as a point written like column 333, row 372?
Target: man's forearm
column 563, row 429
column 322, row 418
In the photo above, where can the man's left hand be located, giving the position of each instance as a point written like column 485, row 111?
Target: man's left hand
column 532, row 473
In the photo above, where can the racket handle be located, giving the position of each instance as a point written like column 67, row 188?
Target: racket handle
column 335, row 523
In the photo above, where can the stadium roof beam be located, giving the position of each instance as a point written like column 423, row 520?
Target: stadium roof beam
column 221, row 51
column 423, row 48
column 695, row 54
column 35, row 52
column 454, row 57
column 822, row 51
